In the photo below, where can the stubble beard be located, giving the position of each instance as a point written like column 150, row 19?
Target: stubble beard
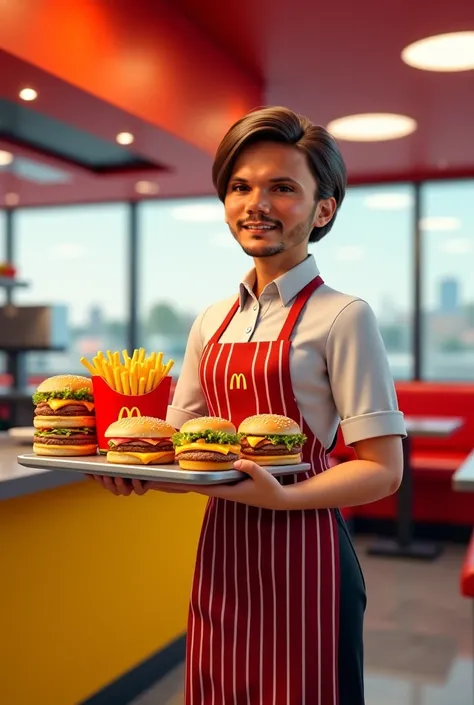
column 295, row 237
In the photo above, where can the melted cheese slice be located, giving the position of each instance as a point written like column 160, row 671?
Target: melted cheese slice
column 56, row 404
column 146, row 458
column 254, row 441
column 212, row 447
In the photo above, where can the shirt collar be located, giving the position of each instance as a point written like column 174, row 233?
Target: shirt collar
column 286, row 286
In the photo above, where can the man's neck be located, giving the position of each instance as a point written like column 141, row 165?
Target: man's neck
column 268, row 269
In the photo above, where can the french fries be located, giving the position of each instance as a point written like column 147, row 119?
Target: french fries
column 135, row 375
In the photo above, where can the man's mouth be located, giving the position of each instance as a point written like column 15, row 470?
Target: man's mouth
column 259, row 227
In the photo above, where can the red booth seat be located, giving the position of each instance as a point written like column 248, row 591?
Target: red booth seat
column 433, row 460
column 439, row 399
column 467, row 572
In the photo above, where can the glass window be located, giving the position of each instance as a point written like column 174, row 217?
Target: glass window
column 75, row 259
column 369, row 253
column 2, row 236
column 2, row 293
column 447, row 228
column 188, row 260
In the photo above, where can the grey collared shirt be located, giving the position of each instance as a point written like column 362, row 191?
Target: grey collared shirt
column 338, row 363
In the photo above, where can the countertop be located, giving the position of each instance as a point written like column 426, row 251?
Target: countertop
column 16, row 480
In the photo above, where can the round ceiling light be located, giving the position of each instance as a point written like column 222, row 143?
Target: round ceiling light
column 443, row 52
column 6, row 158
column 125, row 138
column 372, row 127
column 12, row 199
column 28, row 94
column 147, row 188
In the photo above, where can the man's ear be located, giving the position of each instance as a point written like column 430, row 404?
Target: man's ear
column 324, row 212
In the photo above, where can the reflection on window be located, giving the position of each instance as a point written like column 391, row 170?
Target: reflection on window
column 188, row 260
column 448, row 284
column 369, row 253
column 75, row 257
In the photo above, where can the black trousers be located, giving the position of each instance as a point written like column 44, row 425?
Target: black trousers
column 351, row 621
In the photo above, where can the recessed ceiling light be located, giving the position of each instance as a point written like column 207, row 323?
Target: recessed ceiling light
column 443, row 52
column 440, row 223
column 6, row 158
column 125, row 138
column 146, row 188
column 12, row 199
column 28, row 94
column 199, row 213
column 388, row 201
column 372, row 127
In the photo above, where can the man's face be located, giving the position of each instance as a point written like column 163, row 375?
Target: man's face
column 270, row 203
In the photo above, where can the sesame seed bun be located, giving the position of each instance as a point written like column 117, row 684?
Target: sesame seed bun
column 210, row 423
column 60, row 382
column 140, row 427
column 41, row 422
column 64, row 451
column 123, row 458
column 269, row 424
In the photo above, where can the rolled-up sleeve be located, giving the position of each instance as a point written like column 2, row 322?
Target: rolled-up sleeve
column 188, row 399
column 360, row 377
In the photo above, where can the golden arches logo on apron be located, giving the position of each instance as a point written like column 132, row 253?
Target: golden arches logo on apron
column 129, row 413
column 238, row 380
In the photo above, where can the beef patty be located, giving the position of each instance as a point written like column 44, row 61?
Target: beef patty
column 269, row 449
column 79, row 440
column 72, row 409
column 207, row 455
column 143, row 448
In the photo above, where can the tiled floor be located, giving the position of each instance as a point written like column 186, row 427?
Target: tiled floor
column 418, row 640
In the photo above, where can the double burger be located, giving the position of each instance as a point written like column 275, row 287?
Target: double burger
column 64, row 417
column 271, row 439
column 142, row 440
column 207, row 443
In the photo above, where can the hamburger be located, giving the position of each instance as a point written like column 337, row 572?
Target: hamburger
column 142, row 440
column 207, row 443
column 64, row 417
column 270, row 439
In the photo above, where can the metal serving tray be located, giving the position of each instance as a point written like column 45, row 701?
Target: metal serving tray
column 97, row 465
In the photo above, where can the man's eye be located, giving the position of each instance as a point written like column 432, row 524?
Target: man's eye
column 285, row 189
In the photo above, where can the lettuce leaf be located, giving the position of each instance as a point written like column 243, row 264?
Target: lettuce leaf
column 298, row 439
column 83, row 394
column 181, row 439
column 65, row 431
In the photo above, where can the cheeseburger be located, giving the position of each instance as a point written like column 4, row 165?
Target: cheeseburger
column 270, row 439
column 64, row 417
column 207, row 443
column 142, row 440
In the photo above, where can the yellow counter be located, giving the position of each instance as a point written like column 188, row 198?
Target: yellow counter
column 90, row 585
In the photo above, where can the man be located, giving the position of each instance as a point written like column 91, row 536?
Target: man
column 277, row 605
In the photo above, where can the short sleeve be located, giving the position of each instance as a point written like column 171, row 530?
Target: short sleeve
column 188, row 399
column 360, row 377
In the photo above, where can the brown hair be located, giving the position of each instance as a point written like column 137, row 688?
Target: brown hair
column 283, row 125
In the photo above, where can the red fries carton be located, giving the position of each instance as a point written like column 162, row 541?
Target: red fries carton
column 111, row 405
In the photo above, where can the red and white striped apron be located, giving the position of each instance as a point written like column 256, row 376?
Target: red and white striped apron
column 264, row 613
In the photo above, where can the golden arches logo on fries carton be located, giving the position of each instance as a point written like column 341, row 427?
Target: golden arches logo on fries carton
column 137, row 385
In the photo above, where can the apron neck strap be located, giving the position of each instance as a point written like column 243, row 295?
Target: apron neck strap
column 291, row 319
column 297, row 307
column 215, row 338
